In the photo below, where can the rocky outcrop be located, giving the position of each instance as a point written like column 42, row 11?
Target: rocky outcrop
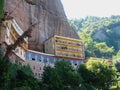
column 49, row 14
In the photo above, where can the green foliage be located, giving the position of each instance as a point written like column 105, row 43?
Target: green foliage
column 89, row 44
column 93, row 24
column 104, row 50
column 62, row 77
column 67, row 74
column 94, row 75
column 96, row 49
column 15, row 77
column 3, row 70
column 97, row 74
column 116, row 61
column 51, row 80
column 19, row 77
column 117, row 65
column 90, row 26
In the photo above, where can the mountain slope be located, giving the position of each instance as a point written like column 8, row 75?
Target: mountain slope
column 100, row 30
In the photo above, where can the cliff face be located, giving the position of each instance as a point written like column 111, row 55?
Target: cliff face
column 50, row 15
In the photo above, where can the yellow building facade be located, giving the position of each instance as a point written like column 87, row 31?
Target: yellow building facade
column 65, row 47
column 9, row 34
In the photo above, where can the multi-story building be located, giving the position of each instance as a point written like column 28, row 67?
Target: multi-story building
column 65, row 47
column 38, row 60
column 9, row 34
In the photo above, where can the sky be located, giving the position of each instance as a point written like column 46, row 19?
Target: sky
column 82, row 8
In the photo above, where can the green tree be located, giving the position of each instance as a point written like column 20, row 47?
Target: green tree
column 62, row 77
column 99, row 74
column 116, row 61
column 51, row 79
column 22, row 77
column 87, row 77
column 4, row 66
column 89, row 44
column 117, row 64
column 104, row 50
column 15, row 77
column 70, row 78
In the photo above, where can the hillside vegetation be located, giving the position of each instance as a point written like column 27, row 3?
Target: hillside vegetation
column 101, row 35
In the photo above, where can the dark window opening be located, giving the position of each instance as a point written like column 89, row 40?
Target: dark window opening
column 75, row 64
column 39, row 60
column 33, row 59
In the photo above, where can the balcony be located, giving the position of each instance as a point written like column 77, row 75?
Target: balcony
column 17, row 28
column 69, row 43
column 65, row 48
column 13, row 35
column 70, row 55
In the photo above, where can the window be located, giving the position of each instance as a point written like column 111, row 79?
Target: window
column 33, row 56
column 78, row 44
column 39, row 60
column 75, row 64
column 33, row 59
column 64, row 47
column 74, row 55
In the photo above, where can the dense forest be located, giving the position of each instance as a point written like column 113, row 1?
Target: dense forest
column 101, row 35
